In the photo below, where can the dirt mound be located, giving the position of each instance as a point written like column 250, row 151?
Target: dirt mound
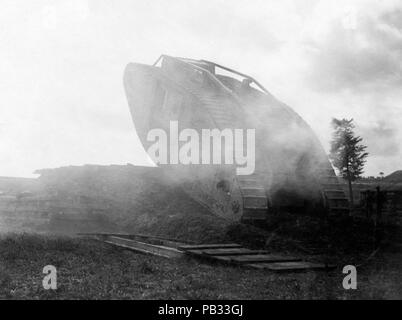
column 128, row 199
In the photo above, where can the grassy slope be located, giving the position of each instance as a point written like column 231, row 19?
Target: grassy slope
column 92, row 270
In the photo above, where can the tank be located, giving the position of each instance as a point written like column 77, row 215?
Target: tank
column 292, row 171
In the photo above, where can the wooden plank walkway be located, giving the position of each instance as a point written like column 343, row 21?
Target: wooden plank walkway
column 210, row 246
column 258, row 259
column 291, row 266
column 143, row 247
column 227, row 253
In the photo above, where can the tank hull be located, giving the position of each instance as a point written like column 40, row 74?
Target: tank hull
column 292, row 171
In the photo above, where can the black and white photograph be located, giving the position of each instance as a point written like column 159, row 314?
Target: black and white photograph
column 200, row 155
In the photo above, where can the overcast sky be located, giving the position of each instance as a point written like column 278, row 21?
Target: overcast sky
column 61, row 65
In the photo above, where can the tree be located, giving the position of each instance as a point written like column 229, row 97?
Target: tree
column 347, row 153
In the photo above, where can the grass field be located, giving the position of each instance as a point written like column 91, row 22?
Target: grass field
column 93, row 270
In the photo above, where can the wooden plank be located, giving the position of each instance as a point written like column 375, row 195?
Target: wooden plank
column 226, row 252
column 290, row 266
column 143, row 247
column 136, row 236
column 210, row 246
column 246, row 259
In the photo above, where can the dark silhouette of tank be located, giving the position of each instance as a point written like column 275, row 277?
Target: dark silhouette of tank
column 292, row 171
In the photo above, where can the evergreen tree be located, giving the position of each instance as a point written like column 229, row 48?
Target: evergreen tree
column 347, row 153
